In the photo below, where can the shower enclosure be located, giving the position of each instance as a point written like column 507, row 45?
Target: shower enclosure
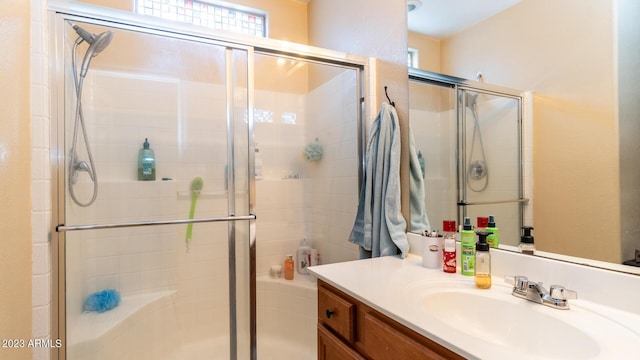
column 208, row 106
column 470, row 135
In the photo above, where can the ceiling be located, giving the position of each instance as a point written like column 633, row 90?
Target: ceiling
column 442, row 18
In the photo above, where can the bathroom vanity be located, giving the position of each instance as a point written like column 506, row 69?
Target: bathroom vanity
column 350, row 329
column 393, row 308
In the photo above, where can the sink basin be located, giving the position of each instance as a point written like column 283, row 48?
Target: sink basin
column 515, row 326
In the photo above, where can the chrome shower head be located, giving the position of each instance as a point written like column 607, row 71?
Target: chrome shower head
column 470, row 99
column 97, row 44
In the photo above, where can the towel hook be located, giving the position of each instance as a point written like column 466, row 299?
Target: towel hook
column 387, row 95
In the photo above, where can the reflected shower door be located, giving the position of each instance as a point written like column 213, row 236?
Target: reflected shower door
column 177, row 293
column 490, row 179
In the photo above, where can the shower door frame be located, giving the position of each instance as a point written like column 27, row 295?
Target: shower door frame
column 460, row 85
column 59, row 21
column 59, row 14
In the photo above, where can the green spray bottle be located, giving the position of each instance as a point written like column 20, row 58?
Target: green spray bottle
column 467, row 248
column 493, row 238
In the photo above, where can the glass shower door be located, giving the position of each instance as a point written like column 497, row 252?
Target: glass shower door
column 140, row 281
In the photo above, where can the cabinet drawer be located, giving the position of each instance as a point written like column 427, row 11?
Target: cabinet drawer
column 336, row 313
column 330, row 348
column 384, row 342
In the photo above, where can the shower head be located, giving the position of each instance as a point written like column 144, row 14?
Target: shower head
column 97, row 44
column 470, row 99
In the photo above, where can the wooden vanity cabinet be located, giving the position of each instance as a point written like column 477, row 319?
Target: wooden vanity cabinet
column 350, row 330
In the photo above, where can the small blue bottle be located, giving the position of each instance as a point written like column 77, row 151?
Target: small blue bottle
column 146, row 162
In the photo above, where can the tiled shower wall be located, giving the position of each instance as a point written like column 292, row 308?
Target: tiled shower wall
column 320, row 205
column 40, row 178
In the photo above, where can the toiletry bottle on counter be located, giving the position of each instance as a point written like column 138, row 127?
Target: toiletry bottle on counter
column 304, row 257
column 431, row 245
column 493, row 229
column 449, row 229
column 526, row 241
column 146, row 162
column 467, row 248
column 288, row 267
column 482, row 223
column 449, row 247
column 482, row 270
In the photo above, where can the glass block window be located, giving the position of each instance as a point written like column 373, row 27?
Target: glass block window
column 262, row 116
column 212, row 15
column 289, row 118
column 412, row 58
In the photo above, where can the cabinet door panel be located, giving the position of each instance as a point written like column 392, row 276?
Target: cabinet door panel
column 383, row 342
column 331, row 348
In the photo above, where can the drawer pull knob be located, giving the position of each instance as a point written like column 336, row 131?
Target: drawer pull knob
column 329, row 313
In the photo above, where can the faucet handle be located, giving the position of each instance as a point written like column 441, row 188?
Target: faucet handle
column 518, row 281
column 562, row 293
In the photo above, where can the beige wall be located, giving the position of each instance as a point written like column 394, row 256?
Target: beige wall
column 428, row 51
column 563, row 52
column 15, row 150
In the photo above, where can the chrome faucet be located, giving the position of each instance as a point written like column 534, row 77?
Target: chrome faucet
column 556, row 297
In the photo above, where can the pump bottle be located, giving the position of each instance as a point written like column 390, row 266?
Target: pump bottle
column 526, row 241
column 482, row 270
column 146, row 162
column 467, row 248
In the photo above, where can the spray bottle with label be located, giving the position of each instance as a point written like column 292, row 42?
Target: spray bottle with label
column 467, row 248
column 449, row 248
column 492, row 239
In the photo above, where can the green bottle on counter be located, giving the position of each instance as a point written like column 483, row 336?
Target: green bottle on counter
column 467, row 248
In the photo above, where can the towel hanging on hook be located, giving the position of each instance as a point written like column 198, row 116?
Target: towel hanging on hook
column 387, row 95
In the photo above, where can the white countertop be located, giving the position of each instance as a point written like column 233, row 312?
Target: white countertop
column 390, row 284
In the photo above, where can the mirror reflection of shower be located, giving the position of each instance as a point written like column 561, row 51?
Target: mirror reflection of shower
column 477, row 169
column 97, row 43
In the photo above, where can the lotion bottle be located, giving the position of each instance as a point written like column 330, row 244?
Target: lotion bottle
column 288, row 267
column 492, row 239
column 304, row 258
column 482, row 270
column 467, row 248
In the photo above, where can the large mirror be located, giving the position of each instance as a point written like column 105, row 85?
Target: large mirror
column 581, row 61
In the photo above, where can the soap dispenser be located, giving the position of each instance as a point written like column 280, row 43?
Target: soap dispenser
column 482, row 270
column 146, row 162
column 526, row 241
column 467, row 248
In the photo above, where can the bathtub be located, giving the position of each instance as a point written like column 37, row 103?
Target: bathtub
column 144, row 327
